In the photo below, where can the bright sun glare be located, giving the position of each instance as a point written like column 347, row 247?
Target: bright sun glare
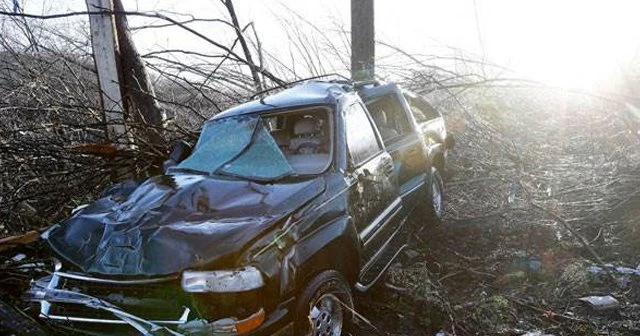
column 576, row 44
column 569, row 43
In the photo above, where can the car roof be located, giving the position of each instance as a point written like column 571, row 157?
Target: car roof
column 307, row 93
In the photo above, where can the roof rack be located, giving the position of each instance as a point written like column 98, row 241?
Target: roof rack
column 344, row 79
column 371, row 82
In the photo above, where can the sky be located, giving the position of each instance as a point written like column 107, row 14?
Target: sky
column 567, row 43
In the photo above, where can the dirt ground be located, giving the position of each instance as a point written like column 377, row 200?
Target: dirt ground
column 543, row 186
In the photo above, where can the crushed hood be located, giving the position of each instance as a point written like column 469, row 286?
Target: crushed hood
column 174, row 222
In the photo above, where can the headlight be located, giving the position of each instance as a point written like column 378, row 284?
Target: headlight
column 229, row 281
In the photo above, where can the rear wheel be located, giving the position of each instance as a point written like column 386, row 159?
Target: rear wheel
column 437, row 194
column 325, row 306
column 431, row 208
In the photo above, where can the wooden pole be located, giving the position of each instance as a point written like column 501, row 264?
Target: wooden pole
column 362, row 40
column 136, row 88
column 103, row 41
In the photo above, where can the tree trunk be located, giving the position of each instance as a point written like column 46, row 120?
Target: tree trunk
column 362, row 40
column 104, row 53
column 137, row 91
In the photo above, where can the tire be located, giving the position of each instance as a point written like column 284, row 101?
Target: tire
column 437, row 193
column 324, row 306
column 433, row 204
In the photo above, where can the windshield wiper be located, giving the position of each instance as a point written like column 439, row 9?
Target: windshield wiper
column 186, row 170
column 255, row 178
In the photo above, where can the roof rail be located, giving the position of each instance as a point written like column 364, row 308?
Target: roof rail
column 361, row 84
column 286, row 85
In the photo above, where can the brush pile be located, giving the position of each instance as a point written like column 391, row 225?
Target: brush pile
column 542, row 208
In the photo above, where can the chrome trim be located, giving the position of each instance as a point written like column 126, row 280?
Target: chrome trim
column 410, row 191
column 363, row 288
column 45, row 305
column 47, row 293
column 70, row 297
column 78, row 208
column 381, row 250
column 183, row 319
column 380, row 218
column 382, row 226
column 111, row 281
column 57, row 264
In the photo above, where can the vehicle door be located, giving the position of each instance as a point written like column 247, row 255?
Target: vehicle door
column 401, row 138
column 374, row 202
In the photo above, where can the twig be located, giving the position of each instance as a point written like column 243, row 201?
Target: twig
column 581, row 239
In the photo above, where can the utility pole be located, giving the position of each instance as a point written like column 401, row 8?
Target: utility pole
column 136, row 88
column 362, row 40
column 103, row 41
column 127, row 94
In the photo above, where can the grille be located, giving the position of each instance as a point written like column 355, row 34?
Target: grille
column 158, row 302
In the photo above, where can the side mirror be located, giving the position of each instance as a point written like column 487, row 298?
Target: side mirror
column 449, row 141
column 181, row 150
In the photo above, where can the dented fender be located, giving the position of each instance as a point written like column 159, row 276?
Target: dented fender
column 318, row 250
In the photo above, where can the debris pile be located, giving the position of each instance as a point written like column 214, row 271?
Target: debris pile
column 542, row 208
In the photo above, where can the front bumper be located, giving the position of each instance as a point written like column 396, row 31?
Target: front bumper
column 104, row 315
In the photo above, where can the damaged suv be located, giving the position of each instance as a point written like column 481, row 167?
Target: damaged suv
column 285, row 205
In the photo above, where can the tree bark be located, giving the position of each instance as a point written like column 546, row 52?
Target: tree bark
column 137, row 91
column 104, row 47
column 362, row 40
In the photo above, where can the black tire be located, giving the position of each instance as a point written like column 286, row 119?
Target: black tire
column 327, row 288
column 433, row 202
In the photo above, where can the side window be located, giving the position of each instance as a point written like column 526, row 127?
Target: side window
column 417, row 113
column 421, row 110
column 390, row 117
column 361, row 139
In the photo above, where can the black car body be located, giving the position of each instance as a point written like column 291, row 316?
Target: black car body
column 286, row 204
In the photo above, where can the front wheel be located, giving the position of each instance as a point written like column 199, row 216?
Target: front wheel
column 324, row 306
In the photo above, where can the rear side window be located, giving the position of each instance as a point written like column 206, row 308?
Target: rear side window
column 361, row 138
column 390, row 117
column 421, row 110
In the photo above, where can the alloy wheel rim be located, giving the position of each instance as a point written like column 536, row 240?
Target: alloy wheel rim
column 326, row 315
